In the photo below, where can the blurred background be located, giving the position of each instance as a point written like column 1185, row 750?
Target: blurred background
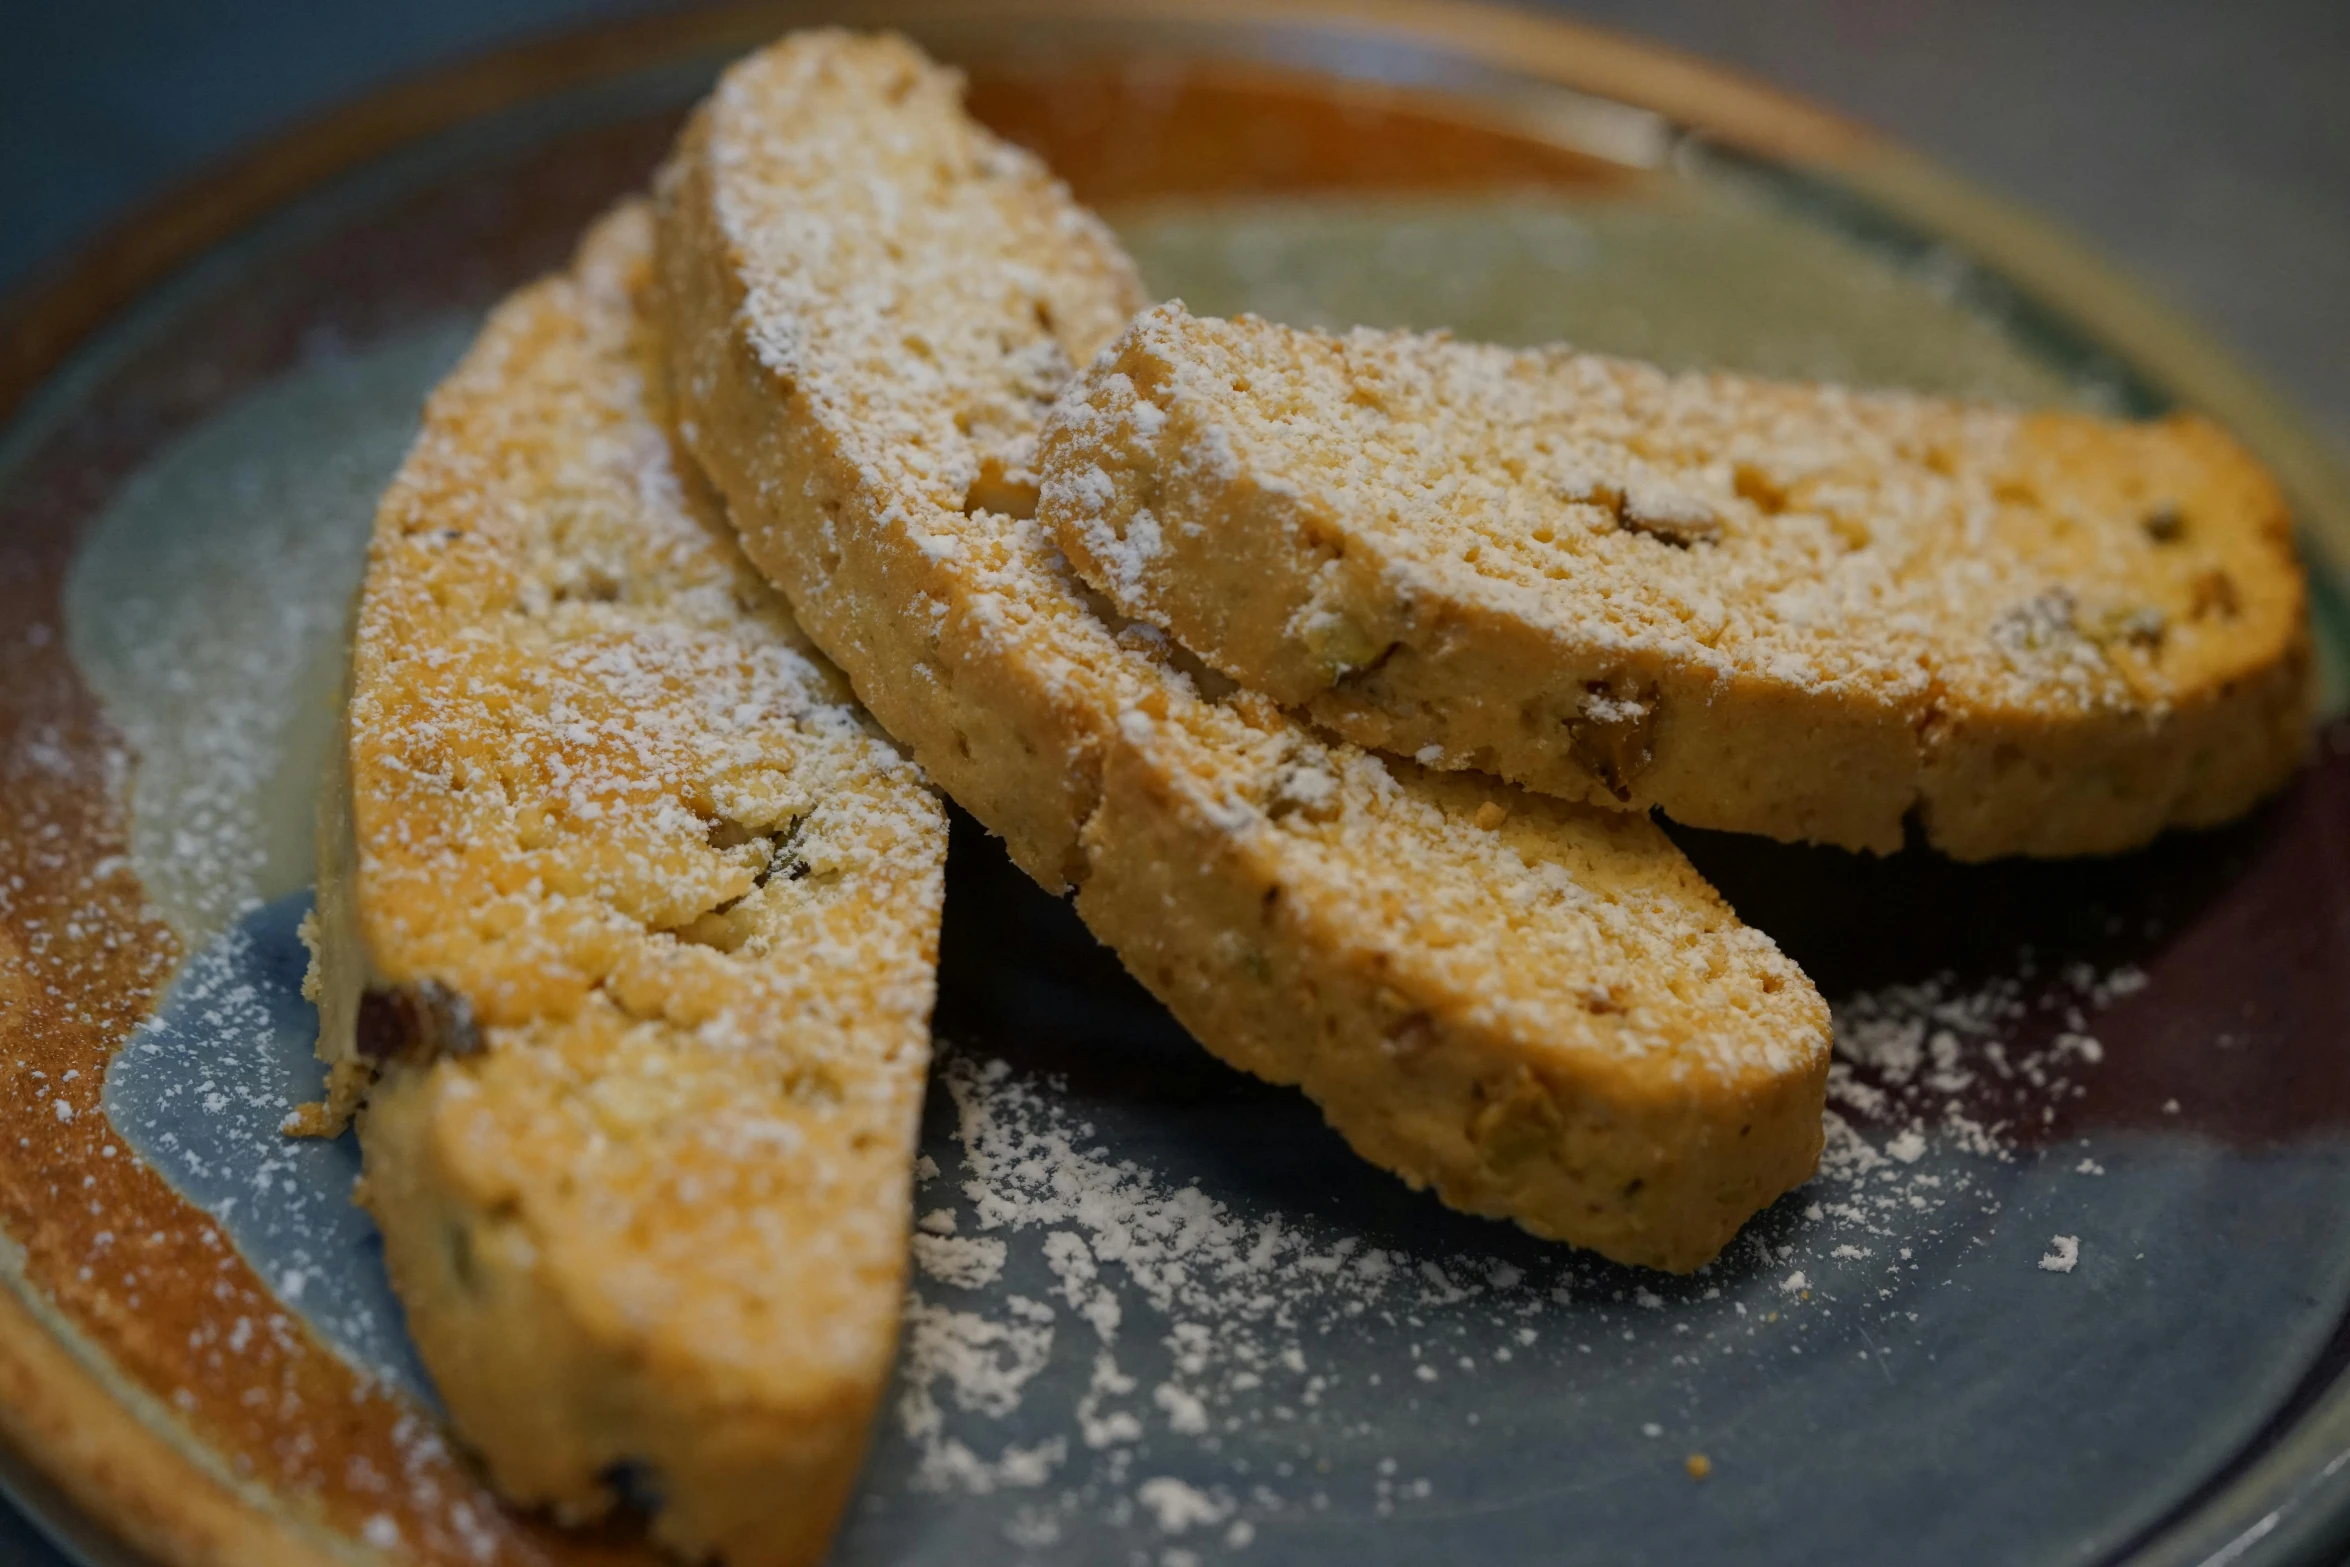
column 2206, row 146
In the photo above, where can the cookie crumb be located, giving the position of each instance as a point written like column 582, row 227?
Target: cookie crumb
column 309, row 1120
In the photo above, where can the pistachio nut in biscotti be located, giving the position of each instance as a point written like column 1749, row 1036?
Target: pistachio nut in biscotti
column 626, row 941
column 1537, row 1009
column 1766, row 607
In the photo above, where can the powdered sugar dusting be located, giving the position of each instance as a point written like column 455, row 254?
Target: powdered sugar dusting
column 202, row 1090
column 1202, row 1356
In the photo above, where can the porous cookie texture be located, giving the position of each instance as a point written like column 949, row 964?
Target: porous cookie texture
column 627, row 939
column 1538, row 1009
column 1768, row 607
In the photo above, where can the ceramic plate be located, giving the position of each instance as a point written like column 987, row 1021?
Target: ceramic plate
column 2071, row 1285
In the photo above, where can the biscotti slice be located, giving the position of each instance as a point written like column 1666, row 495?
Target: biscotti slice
column 1767, row 607
column 1538, row 1009
column 632, row 920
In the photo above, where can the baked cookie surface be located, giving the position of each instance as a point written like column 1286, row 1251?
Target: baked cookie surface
column 1538, row 1009
column 627, row 939
column 1762, row 606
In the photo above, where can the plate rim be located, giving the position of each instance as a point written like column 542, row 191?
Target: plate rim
column 64, row 1424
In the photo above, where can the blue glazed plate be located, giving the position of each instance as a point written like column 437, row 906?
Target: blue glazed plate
column 2071, row 1286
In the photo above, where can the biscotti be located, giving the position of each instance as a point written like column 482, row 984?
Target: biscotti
column 1538, row 1009
column 627, row 935
column 1768, row 607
